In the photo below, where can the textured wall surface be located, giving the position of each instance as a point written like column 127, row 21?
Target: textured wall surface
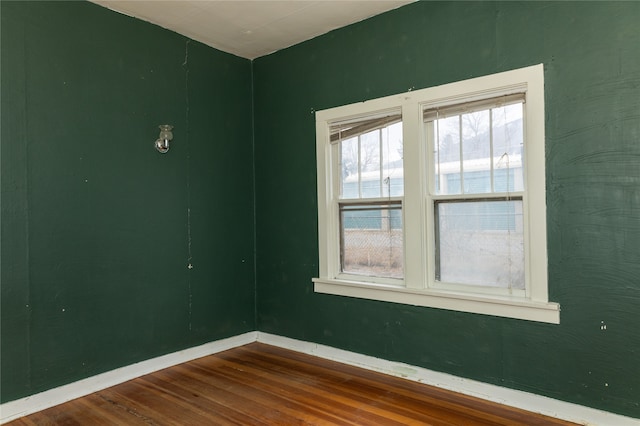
column 591, row 55
column 98, row 229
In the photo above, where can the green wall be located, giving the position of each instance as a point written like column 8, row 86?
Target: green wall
column 98, row 227
column 591, row 54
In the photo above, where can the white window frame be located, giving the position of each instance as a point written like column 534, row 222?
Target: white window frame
column 418, row 286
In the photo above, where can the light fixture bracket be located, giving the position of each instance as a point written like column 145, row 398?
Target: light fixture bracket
column 162, row 143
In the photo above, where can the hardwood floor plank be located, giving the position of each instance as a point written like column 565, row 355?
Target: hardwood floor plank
column 257, row 385
column 325, row 395
column 263, row 392
column 352, row 386
column 207, row 397
column 236, row 396
column 408, row 390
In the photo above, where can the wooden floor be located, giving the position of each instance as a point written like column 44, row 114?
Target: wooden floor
column 259, row 384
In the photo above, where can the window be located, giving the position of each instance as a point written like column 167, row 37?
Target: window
column 436, row 198
column 477, row 193
column 369, row 201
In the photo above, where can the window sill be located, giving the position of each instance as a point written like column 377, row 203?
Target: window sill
column 547, row 312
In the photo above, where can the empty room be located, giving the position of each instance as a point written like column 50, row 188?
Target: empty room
column 320, row 212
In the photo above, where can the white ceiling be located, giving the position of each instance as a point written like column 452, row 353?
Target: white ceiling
column 251, row 28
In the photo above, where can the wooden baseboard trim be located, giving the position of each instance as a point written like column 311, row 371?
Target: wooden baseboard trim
column 511, row 397
column 43, row 400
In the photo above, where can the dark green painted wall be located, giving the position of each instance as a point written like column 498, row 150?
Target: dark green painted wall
column 98, row 227
column 591, row 54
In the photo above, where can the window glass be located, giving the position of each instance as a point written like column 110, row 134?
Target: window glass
column 478, row 152
column 476, row 149
column 508, row 142
column 392, row 152
column 372, row 240
column 447, row 155
column 349, row 160
column 372, row 163
column 480, row 243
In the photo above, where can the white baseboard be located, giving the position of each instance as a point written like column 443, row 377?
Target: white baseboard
column 40, row 401
column 523, row 400
column 511, row 397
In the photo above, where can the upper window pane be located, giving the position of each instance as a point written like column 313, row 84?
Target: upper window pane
column 371, row 160
column 477, row 149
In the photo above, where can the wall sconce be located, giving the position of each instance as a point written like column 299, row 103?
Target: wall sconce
column 162, row 143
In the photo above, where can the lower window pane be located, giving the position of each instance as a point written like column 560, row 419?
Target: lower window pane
column 371, row 240
column 480, row 243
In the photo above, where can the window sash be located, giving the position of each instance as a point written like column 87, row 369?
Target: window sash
column 492, row 234
column 466, row 167
column 376, row 243
column 366, row 165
